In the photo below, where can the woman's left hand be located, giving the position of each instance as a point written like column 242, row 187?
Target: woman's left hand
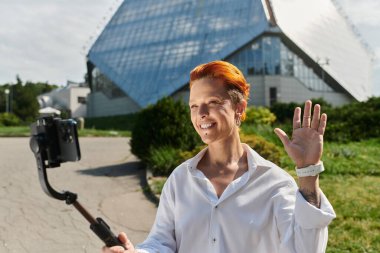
column 306, row 146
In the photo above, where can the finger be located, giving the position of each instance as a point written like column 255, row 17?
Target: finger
column 316, row 117
column 283, row 136
column 322, row 124
column 105, row 249
column 306, row 114
column 297, row 118
column 114, row 249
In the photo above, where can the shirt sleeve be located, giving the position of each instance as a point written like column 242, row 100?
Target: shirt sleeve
column 302, row 227
column 161, row 238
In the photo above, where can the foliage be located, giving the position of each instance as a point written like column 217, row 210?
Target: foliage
column 185, row 155
column 266, row 149
column 266, row 131
column 156, row 184
column 163, row 160
column 259, row 115
column 284, row 111
column 9, row 119
column 354, row 122
column 165, row 124
column 23, row 98
column 117, row 122
column 354, row 158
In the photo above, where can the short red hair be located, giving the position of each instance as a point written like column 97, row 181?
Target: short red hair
column 232, row 77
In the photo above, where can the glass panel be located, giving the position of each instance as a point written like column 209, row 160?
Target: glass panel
column 269, row 56
column 102, row 84
column 150, row 46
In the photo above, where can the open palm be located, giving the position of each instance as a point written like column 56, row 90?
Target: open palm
column 306, row 145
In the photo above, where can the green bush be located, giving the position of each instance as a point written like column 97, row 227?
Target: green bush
column 259, row 115
column 266, row 149
column 354, row 122
column 284, row 111
column 165, row 124
column 163, row 160
column 9, row 119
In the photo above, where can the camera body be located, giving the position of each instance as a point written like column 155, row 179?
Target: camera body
column 56, row 140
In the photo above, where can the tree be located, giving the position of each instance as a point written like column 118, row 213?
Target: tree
column 23, row 98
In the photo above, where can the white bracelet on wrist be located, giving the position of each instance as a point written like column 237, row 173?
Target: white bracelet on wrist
column 311, row 170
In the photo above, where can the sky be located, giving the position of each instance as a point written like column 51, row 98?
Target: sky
column 47, row 40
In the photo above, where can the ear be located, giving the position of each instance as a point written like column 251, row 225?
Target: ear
column 240, row 107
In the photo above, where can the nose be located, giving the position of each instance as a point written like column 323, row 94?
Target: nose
column 203, row 111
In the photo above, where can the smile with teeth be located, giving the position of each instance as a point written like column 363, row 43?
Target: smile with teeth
column 206, row 125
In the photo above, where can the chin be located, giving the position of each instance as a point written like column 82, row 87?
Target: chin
column 209, row 139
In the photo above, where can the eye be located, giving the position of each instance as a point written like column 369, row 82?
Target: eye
column 193, row 107
column 214, row 102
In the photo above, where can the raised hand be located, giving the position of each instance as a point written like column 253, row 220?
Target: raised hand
column 306, row 145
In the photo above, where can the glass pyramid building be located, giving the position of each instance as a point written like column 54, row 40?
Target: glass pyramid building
column 149, row 47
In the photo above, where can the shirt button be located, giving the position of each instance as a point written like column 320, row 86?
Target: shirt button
column 214, row 240
column 216, row 206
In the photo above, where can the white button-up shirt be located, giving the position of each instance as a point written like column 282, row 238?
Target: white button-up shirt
column 261, row 211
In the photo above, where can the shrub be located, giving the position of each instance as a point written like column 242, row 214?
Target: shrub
column 354, row 122
column 284, row 111
column 165, row 124
column 163, row 160
column 185, row 155
column 259, row 115
column 9, row 119
column 266, row 149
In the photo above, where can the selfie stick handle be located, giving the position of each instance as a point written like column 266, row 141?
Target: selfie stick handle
column 98, row 225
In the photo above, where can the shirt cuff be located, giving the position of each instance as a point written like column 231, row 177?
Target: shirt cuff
column 310, row 217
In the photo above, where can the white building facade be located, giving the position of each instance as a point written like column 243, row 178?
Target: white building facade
column 72, row 98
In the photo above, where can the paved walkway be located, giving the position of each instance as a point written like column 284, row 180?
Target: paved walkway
column 107, row 180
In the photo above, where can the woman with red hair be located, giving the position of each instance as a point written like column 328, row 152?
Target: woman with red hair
column 228, row 198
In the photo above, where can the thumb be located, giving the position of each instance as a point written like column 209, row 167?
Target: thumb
column 126, row 242
column 123, row 238
column 283, row 136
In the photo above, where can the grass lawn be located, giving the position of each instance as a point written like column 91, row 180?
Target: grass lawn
column 356, row 200
column 24, row 131
column 17, row 131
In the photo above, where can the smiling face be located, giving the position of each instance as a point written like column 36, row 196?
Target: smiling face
column 212, row 111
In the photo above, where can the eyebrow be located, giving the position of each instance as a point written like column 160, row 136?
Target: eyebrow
column 218, row 97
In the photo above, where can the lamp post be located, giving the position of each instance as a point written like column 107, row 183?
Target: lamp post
column 6, row 91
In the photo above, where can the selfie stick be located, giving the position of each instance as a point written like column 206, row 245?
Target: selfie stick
column 98, row 225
